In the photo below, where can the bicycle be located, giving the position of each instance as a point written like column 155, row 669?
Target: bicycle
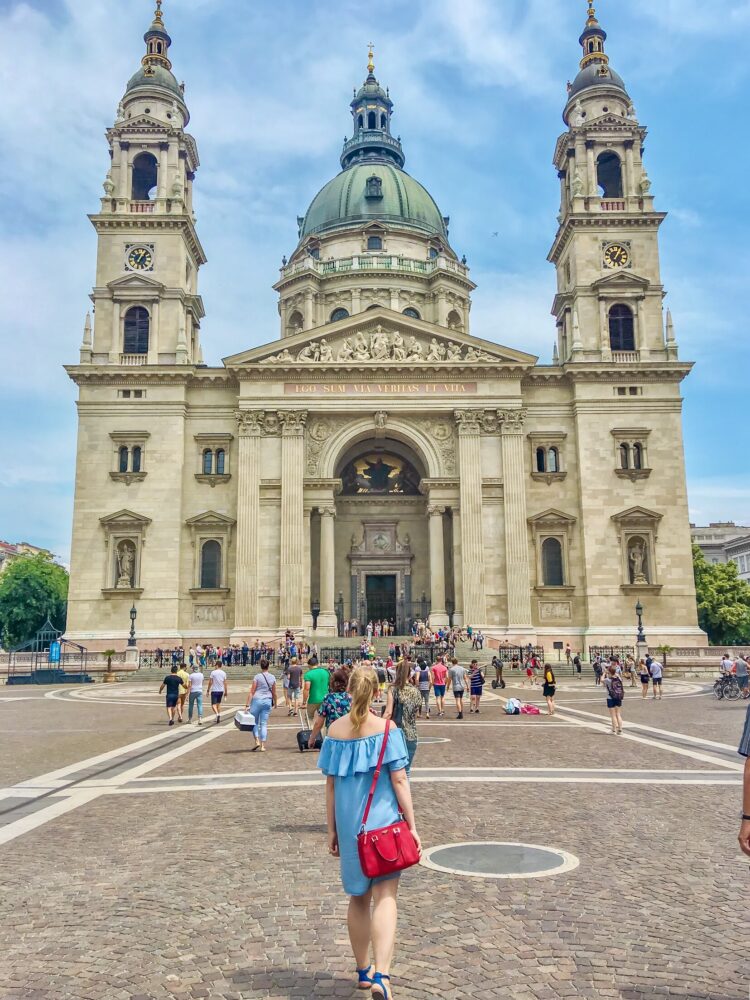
column 726, row 686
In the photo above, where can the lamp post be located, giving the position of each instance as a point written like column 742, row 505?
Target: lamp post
column 315, row 612
column 640, row 639
column 133, row 616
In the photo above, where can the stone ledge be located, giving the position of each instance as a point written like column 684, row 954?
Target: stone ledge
column 641, row 588
column 633, row 474
column 549, row 477
column 205, row 592
column 129, row 592
column 212, row 480
column 127, row 477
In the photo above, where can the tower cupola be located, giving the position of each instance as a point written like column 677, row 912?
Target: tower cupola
column 595, row 68
column 592, row 40
column 157, row 43
column 372, row 109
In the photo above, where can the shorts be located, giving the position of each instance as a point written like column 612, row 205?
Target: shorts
column 529, row 672
column 217, row 697
column 645, row 678
column 458, row 692
column 172, row 700
column 657, row 681
column 295, row 693
column 614, row 703
column 476, row 692
column 549, row 690
column 439, row 690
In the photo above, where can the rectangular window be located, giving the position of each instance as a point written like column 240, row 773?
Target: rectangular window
column 123, row 393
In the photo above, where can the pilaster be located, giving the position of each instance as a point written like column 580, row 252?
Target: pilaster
column 292, row 517
column 249, row 425
column 472, row 542
column 516, row 539
column 438, row 613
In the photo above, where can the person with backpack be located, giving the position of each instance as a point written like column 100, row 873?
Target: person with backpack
column 549, row 688
column 577, row 665
column 476, row 682
column 402, row 704
column 424, row 683
column 615, row 697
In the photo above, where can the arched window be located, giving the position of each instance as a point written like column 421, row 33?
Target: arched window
column 145, row 177
column 375, row 305
column 609, row 175
column 372, row 121
column 624, row 456
column 296, row 322
column 338, row 314
column 552, row 563
column 136, row 462
column 383, row 121
column 541, row 460
column 208, row 462
column 360, row 121
column 374, row 243
column 210, row 565
column 135, row 340
column 122, row 459
column 621, row 328
column 637, row 455
column 412, row 312
column 159, row 47
column 433, row 253
column 553, row 460
column 454, row 320
column 220, row 462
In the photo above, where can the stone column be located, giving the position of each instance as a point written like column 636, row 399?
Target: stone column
column 327, row 617
column 163, row 170
column 629, row 187
column 123, row 176
column 153, row 335
column 249, row 424
column 593, row 188
column 458, row 570
column 306, row 595
column 438, row 614
column 516, row 529
column 116, row 346
column 472, row 540
column 308, row 313
column 292, row 517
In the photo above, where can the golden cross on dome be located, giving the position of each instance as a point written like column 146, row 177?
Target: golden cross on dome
column 592, row 12
column 370, row 57
column 157, row 12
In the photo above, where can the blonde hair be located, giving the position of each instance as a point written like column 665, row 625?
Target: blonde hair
column 363, row 687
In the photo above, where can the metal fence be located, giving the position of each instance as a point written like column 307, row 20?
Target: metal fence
column 609, row 652
column 506, row 654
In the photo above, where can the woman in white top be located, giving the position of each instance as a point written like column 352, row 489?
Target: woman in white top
column 260, row 701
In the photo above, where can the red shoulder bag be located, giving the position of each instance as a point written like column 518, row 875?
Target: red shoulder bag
column 391, row 848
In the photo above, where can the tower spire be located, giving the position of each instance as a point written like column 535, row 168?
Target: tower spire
column 157, row 43
column 592, row 40
column 371, row 61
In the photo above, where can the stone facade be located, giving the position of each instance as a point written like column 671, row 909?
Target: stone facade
column 378, row 459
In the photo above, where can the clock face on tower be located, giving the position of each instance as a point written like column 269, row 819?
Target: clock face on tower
column 616, row 255
column 140, row 258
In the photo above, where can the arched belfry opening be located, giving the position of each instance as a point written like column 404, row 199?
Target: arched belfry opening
column 145, row 177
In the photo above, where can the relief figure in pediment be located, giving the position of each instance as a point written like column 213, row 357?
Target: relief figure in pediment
column 399, row 351
column 361, row 348
column 379, row 345
column 310, row 352
column 326, row 353
column 453, row 352
column 436, row 351
column 415, row 351
column 346, row 352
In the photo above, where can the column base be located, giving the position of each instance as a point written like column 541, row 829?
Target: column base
column 328, row 624
column 458, row 619
column 438, row 619
column 131, row 656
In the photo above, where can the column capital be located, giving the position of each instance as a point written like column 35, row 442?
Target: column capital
column 292, row 422
column 511, row 421
column 435, row 511
column 327, row 511
column 468, row 422
column 250, row 422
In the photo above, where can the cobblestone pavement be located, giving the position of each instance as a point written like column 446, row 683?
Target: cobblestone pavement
column 117, row 886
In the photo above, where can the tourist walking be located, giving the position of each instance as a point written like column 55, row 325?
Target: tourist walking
column 439, row 676
column 645, row 677
column 316, row 681
column 598, row 671
column 457, row 675
column 657, row 673
column 615, row 697
column 172, row 682
column 476, row 686
column 196, row 694
column 402, row 704
column 348, row 760
column 260, row 701
column 424, row 683
column 577, row 665
column 185, row 678
column 218, row 688
column 497, row 663
column 549, row 688
column 742, row 668
column 295, row 685
column 335, row 704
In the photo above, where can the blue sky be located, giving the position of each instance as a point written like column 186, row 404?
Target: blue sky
column 479, row 88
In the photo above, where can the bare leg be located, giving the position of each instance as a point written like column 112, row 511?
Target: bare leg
column 613, row 717
column 384, row 917
column 358, row 921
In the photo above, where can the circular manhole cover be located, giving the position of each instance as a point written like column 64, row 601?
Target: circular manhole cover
column 490, row 859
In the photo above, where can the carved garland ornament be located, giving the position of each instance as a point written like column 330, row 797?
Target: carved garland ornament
column 477, row 422
column 380, row 345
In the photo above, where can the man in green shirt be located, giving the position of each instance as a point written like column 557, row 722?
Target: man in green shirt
column 316, row 688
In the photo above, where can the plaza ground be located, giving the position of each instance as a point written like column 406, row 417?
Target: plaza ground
column 145, row 862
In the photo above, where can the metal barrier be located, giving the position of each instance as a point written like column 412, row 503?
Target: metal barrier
column 608, row 652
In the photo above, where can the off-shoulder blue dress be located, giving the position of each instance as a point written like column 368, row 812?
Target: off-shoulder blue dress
column 351, row 764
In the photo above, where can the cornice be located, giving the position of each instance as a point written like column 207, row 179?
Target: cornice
column 370, row 371
column 124, row 222
column 641, row 371
column 363, row 279
column 603, row 220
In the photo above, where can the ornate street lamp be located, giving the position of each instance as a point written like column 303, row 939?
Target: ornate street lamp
column 641, row 636
column 315, row 612
column 133, row 616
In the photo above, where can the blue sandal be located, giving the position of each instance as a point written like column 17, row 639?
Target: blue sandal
column 364, row 980
column 377, row 980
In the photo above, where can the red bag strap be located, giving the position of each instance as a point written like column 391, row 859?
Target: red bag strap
column 376, row 775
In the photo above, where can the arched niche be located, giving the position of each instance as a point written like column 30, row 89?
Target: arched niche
column 345, row 442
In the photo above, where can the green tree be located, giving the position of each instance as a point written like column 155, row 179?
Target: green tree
column 31, row 588
column 723, row 601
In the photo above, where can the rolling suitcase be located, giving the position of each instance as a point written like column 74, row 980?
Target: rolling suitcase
column 303, row 736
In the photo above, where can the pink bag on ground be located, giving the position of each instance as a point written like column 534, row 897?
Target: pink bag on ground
column 530, row 710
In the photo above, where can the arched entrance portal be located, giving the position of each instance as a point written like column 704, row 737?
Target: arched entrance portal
column 382, row 542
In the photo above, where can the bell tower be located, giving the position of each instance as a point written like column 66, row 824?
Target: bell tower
column 608, row 305
column 147, row 310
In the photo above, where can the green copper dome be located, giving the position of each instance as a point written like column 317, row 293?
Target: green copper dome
column 160, row 77
column 354, row 197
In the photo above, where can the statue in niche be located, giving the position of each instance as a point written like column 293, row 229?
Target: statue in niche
column 578, row 117
column 177, row 188
column 120, row 113
column 578, row 187
column 399, row 351
column 125, row 565
column 637, row 558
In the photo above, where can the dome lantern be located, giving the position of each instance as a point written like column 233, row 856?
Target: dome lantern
column 157, row 43
column 595, row 69
column 372, row 109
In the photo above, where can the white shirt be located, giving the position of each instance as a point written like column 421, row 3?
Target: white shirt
column 218, row 679
column 196, row 681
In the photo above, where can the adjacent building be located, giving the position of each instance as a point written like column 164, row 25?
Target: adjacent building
column 375, row 459
column 724, row 541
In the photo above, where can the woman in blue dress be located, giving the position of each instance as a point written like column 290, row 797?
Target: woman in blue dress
column 348, row 759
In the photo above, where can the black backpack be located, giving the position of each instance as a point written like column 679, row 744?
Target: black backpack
column 616, row 688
